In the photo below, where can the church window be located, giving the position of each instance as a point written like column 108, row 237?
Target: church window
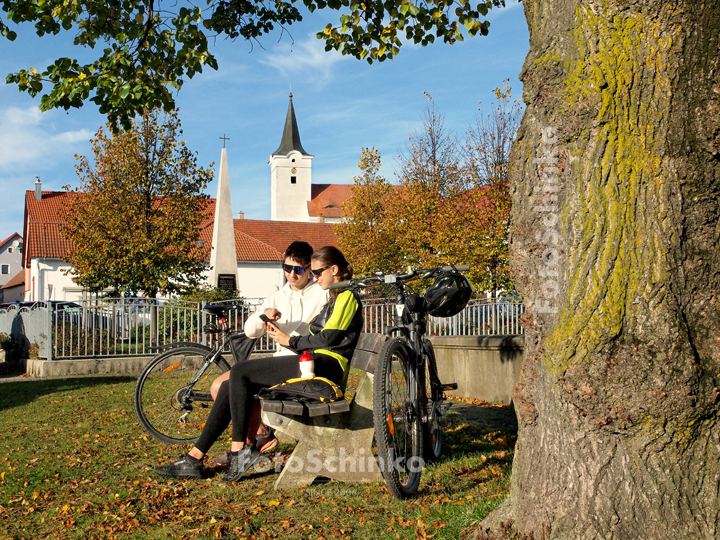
column 293, row 179
column 293, row 160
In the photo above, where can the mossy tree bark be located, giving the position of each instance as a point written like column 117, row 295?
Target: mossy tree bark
column 615, row 246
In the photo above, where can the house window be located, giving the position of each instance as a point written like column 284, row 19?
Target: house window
column 10, row 250
column 5, row 268
column 293, row 179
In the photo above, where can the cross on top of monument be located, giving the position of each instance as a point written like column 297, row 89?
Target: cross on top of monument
column 224, row 138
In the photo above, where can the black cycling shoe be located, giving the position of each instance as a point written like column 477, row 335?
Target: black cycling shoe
column 185, row 467
column 241, row 463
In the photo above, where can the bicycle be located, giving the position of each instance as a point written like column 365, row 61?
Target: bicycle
column 172, row 394
column 408, row 396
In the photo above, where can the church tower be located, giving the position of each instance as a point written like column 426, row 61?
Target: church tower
column 290, row 175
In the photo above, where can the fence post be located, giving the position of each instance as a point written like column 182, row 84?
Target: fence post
column 48, row 339
column 201, row 326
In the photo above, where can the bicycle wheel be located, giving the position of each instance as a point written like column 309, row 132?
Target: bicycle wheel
column 398, row 431
column 168, row 408
column 432, row 422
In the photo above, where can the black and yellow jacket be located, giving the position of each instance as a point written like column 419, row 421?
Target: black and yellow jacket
column 335, row 331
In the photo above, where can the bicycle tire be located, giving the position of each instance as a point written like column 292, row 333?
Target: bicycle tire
column 162, row 385
column 433, row 423
column 398, row 430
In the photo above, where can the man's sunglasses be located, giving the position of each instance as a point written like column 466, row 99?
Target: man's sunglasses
column 318, row 272
column 289, row 268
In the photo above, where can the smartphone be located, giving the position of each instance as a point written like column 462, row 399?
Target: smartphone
column 265, row 318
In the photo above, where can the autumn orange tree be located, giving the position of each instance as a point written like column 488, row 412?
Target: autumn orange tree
column 451, row 204
column 133, row 222
column 485, row 219
column 367, row 239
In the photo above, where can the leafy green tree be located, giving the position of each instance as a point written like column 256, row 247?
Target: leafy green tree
column 150, row 47
column 133, row 222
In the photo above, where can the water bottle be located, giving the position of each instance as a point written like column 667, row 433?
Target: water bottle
column 307, row 366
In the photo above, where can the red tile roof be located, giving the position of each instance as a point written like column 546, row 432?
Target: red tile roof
column 42, row 226
column 255, row 240
column 18, row 279
column 327, row 199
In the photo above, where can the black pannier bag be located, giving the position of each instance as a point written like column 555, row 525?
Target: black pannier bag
column 304, row 390
column 241, row 346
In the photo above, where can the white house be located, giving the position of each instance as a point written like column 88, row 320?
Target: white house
column 10, row 264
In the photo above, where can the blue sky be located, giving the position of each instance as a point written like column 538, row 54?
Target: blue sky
column 341, row 105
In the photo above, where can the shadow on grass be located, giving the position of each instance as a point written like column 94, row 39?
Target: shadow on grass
column 480, row 428
column 14, row 394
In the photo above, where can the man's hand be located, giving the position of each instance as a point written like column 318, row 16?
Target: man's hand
column 272, row 314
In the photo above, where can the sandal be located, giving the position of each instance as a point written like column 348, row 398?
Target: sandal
column 266, row 441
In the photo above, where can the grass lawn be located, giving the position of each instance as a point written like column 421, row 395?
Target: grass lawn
column 75, row 463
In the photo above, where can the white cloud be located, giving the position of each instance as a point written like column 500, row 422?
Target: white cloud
column 307, row 56
column 26, row 136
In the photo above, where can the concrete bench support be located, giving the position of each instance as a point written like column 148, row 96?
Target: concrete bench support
column 337, row 446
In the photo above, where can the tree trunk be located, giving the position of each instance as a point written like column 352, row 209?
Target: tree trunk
column 615, row 248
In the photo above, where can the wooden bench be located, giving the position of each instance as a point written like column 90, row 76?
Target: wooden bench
column 334, row 440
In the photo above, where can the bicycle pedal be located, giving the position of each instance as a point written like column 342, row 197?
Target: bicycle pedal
column 448, row 386
column 445, row 410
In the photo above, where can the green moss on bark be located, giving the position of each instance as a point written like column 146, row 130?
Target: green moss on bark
column 618, row 211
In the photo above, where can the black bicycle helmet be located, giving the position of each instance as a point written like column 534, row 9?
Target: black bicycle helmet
column 448, row 296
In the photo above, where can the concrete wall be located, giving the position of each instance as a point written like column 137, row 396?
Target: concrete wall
column 91, row 366
column 485, row 367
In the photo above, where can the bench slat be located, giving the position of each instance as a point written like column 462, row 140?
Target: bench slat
column 365, row 356
column 292, row 407
column 339, row 406
column 318, row 409
column 272, row 405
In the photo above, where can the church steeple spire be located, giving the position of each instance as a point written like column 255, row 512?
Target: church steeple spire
column 291, row 135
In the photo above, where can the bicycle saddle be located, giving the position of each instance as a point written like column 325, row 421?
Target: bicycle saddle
column 218, row 311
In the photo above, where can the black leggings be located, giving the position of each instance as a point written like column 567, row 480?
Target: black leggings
column 234, row 400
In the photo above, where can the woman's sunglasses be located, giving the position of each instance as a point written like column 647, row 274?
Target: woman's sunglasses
column 318, row 272
column 289, row 268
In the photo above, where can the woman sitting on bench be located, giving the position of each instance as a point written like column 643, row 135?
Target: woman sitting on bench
column 332, row 340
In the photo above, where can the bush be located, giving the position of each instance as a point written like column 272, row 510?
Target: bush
column 6, row 342
column 211, row 294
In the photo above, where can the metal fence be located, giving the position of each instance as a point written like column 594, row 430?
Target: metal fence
column 109, row 327
column 479, row 318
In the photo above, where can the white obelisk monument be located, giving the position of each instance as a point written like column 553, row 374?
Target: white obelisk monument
column 223, row 258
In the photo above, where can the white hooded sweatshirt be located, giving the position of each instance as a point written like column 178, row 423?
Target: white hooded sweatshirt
column 298, row 309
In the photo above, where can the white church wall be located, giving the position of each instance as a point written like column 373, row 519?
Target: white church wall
column 288, row 200
column 259, row 279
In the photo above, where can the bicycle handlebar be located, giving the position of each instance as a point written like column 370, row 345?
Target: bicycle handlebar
column 361, row 282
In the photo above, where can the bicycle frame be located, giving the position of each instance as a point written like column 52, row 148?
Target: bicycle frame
column 216, row 351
